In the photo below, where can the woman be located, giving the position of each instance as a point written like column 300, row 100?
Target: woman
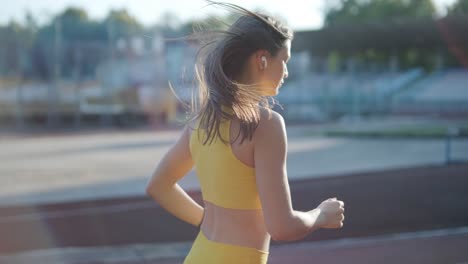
column 238, row 144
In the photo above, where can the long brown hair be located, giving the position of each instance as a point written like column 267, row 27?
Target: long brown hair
column 221, row 59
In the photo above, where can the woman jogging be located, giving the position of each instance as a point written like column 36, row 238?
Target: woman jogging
column 238, row 147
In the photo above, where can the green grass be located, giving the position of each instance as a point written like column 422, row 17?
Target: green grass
column 403, row 132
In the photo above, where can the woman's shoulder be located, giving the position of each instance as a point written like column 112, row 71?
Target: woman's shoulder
column 192, row 122
column 270, row 121
column 190, row 125
column 270, row 116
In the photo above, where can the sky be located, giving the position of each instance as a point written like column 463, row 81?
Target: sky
column 299, row 14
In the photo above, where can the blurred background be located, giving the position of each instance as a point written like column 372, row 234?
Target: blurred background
column 377, row 89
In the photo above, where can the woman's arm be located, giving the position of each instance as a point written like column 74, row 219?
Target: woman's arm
column 282, row 221
column 163, row 187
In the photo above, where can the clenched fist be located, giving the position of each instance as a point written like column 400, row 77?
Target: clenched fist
column 331, row 213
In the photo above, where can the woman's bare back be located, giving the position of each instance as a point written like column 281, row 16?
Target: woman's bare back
column 237, row 226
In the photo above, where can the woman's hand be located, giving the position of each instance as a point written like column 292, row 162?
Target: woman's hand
column 331, row 213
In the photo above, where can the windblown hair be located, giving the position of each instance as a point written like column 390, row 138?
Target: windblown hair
column 221, row 60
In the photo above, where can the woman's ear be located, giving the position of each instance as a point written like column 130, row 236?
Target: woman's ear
column 262, row 59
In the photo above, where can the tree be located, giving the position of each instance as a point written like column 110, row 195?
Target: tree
column 459, row 7
column 380, row 11
column 77, row 34
column 359, row 11
column 16, row 44
column 123, row 24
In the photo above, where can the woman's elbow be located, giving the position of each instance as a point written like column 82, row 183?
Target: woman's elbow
column 280, row 234
column 148, row 191
column 155, row 189
column 151, row 190
column 286, row 232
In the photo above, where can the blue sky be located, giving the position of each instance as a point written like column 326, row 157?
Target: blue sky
column 299, row 14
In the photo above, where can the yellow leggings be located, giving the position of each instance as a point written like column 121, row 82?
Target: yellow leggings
column 205, row 251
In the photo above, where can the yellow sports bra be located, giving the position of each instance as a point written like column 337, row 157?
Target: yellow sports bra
column 224, row 179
